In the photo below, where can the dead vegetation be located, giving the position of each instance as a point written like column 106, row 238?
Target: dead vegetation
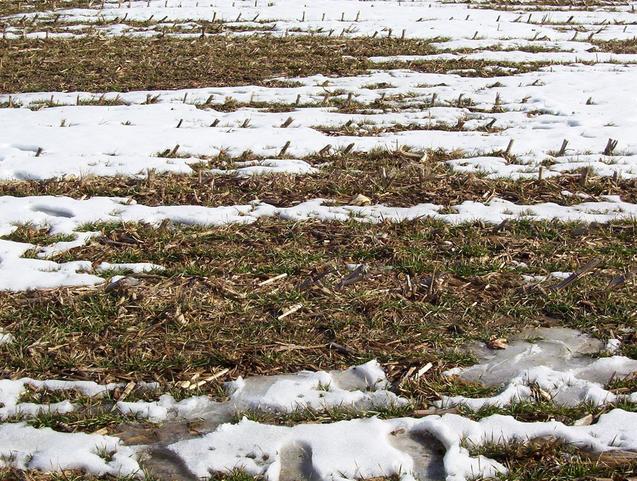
column 124, row 64
column 393, row 178
column 628, row 46
column 425, row 289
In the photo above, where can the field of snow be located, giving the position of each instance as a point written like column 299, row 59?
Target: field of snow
column 262, row 265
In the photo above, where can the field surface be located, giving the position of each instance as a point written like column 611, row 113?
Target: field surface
column 320, row 240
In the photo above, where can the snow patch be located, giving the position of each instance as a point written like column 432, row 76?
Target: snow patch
column 360, row 387
column 24, row 447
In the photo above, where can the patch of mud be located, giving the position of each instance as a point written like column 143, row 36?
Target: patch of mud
column 161, row 463
column 426, row 451
column 296, row 463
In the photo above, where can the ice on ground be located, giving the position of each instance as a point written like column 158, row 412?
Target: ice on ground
column 555, row 364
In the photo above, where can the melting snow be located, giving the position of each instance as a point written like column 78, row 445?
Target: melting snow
column 362, row 448
column 360, row 387
column 557, row 360
column 584, row 105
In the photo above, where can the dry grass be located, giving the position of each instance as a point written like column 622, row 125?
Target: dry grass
column 208, row 310
column 426, row 289
column 542, row 459
column 8, row 474
column 123, row 64
column 385, row 177
column 618, row 46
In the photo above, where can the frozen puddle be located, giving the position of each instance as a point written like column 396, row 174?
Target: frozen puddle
column 555, row 364
column 197, row 437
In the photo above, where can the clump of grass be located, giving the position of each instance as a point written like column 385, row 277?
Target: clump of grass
column 235, row 475
column 628, row 46
column 32, row 234
column 542, row 410
column 329, row 415
column 81, row 421
column 45, row 396
column 540, row 459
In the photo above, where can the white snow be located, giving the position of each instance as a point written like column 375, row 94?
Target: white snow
column 5, row 338
column 613, row 345
column 318, row 390
column 269, row 167
column 357, row 449
column 25, row 447
column 362, row 448
column 359, row 387
column 420, row 19
column 129, row 267
column 540, row 110
column 581, row 101
column 552, row 275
